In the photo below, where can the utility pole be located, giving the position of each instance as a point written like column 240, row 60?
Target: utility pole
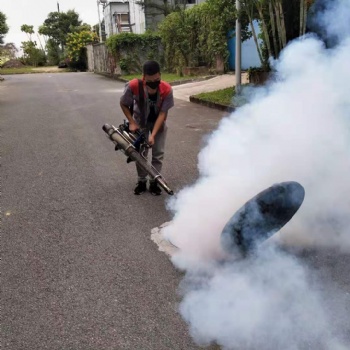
column 99, row 20
column 58, row 7
column 238, row 62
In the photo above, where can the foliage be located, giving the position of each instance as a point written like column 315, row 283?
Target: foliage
column 4, row 58
column 57, row 27
column 7, row 52
column 76, row 47
column 131, row 50
column 77, row 41
column 280, row 21
column 198, row 35
column 54, row 54
column 96, row 28
column 59, row 24
column 32, row 55
column 28, row 29
column 3, row 27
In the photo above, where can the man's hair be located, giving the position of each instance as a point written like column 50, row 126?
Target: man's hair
column 151, row 68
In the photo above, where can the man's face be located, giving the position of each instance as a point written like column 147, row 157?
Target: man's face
column 152, row 82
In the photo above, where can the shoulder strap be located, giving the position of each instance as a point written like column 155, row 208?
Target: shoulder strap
column 141, row 95
column 142, row 102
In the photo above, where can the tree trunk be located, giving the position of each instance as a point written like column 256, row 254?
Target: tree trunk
column 255, row 39
column 246, row 6
column 305, row 17
column 273, row 29
column 266, row 33
column 283, row 26
column 39, row 41
column 278, row 24
column 301, row 17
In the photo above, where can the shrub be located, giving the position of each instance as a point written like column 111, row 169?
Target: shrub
column 131, row 50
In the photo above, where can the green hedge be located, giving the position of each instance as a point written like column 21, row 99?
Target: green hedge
column 131, row 50
column 198, row 36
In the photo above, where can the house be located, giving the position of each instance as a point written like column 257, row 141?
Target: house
column 135, row 16
column 131, row 16
column 123, row 16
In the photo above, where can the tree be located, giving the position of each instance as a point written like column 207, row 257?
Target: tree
column 3, row 27
column 32, row 55
column 198, row 35
column 59, row 24
column 7, row 52
column 53, row 52
column 29, row 30
column 96, row 29
column 249, row 8
column 280, row 22
column 76, row 47
column 304, row 7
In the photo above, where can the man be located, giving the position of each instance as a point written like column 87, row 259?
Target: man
column 150, row 100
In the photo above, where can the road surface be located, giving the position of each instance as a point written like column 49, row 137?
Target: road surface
column 79, row 268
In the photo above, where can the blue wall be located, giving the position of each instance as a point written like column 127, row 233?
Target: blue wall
column 250, row 56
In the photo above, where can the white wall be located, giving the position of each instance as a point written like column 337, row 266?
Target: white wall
column 137, row 16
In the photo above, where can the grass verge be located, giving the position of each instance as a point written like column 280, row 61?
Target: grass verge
column 29, row 70
column 223, row 97
column 168, row 77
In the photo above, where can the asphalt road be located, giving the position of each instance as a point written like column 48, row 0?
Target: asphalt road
column 79, row 269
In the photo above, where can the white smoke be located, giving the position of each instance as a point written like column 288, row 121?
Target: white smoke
column 266, row 303
column 295, row 129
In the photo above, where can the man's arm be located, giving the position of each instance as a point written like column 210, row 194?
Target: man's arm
column 126, row 101
column 158, row 124
column 163, row 114
column 132, row 124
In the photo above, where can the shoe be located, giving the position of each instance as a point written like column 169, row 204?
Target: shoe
column 140, row 188
column 154, row 189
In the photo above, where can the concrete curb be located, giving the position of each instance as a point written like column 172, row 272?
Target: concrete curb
column 193, row 99
column 194, row 80
column 215, row 105
column 173, row 83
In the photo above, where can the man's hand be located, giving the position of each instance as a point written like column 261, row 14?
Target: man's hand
column 151, row 140
column 133, row 126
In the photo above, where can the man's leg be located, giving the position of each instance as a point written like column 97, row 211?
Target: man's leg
column 158, row 156
column 158, row 148
column 141, row 173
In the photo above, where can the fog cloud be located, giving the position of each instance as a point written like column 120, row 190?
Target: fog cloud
column 297, row 128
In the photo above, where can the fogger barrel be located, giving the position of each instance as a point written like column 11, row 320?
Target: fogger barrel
column 122, row 141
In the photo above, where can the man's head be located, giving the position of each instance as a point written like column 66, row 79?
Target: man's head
column 151, row 74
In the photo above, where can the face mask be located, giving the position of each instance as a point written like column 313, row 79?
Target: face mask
column 153, row 84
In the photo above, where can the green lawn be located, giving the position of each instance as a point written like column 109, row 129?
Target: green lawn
column 223, row 96
column 28, row 69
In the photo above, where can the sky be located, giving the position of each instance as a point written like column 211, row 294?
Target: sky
column 34, row 12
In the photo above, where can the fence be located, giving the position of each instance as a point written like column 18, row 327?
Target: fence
column 101, row 61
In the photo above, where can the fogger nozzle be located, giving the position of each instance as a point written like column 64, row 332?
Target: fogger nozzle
column 123, row 140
